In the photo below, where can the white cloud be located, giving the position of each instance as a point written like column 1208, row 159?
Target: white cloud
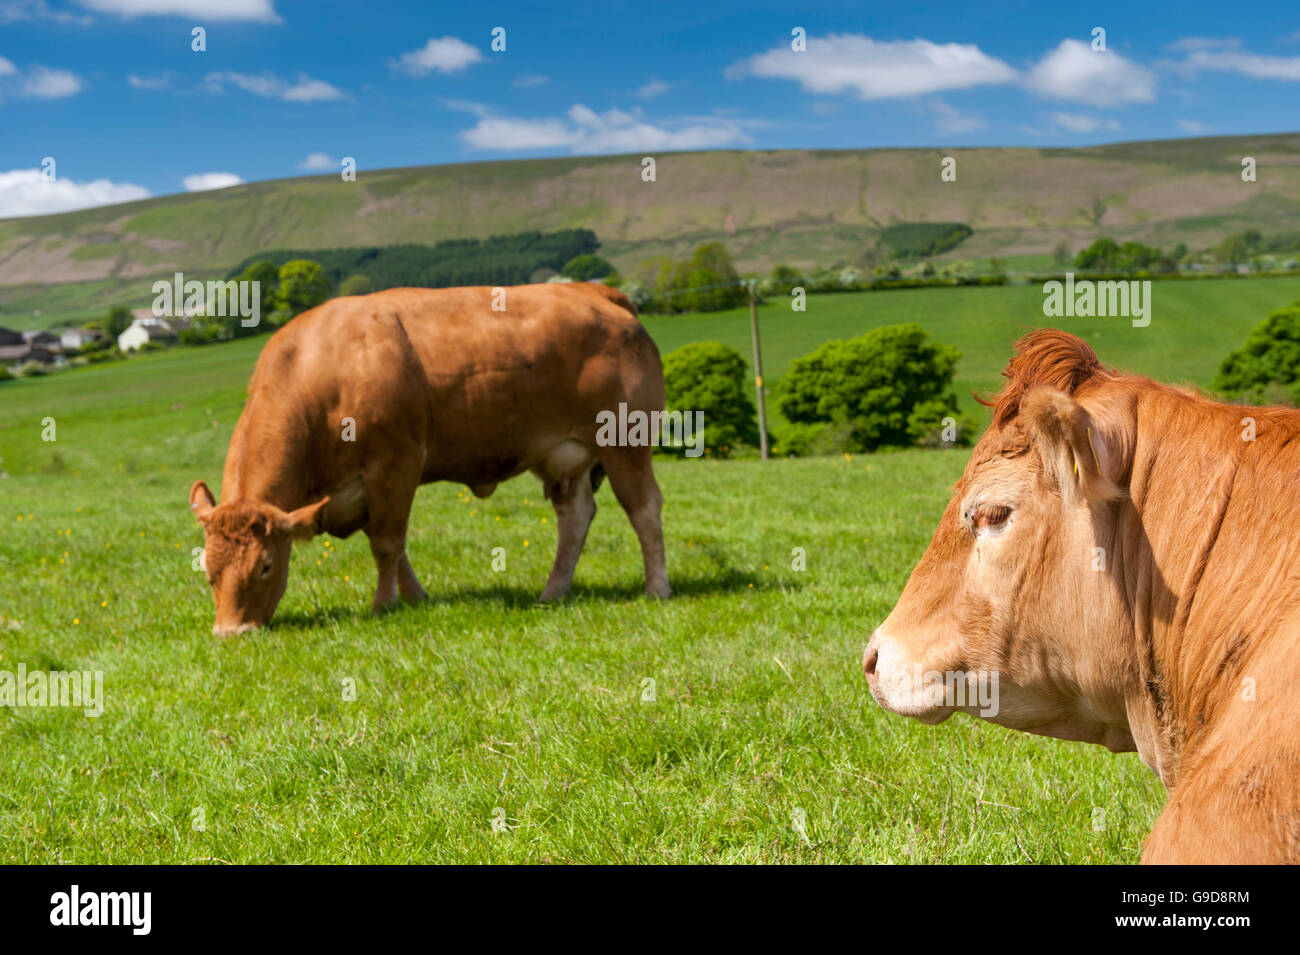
column 259, row 11
column 319, row 161
column 307, row 90
column 1188, row 43
column 16, row 11
column 1076, row 123
column 303, row 90
column 877, row 69
column 529, row 80
column 43, row 83
column 1192, row 126
column 583, row 130
column 1073, row 71
column 161, row 81
column 951, row 120
column 203, row 181
column 446, row 54
column 1247, row 64
column 37, row 82
column 655, row 87
column 25, row 192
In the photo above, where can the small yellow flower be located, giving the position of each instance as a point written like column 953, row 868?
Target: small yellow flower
column 76, row 621
column 103, row 603
column 525, row 543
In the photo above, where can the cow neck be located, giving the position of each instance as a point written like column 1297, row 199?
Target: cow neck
column 1180, row 487
column 267, row 459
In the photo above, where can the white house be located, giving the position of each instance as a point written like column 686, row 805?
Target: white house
column 75, row 338
column 148, row 329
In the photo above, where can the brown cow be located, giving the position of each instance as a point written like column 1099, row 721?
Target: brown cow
column 354, row 404
column 1122, row 555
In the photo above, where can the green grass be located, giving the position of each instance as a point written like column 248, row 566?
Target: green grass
column 481, row 699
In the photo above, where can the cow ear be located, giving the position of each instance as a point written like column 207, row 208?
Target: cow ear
column 1082, row 455
column 304, row 523
column 201, row 500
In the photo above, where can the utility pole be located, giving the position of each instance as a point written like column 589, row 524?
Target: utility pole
column 758, row 367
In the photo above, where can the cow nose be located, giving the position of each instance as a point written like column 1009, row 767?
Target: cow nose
column 869, row 661
column 231, row 629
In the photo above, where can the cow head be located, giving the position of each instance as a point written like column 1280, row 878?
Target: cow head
column 246, row 555
column 1013, row 614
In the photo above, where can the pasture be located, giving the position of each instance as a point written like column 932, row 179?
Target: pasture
column 759, row 742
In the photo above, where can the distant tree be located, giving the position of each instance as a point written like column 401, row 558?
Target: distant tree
column 1232, row 250
column 997, row 266
column 119, row 320
column 587, row 266
column 1106, row 255
column 1061, row 254
column 714, row 257
column 303, row 285
column 712, row 378
column 1097, row 211
column 268, row 278
column 888, row 386
column 1267, row 365
column 783, row 280
column 357, row 285
column 1179, row 252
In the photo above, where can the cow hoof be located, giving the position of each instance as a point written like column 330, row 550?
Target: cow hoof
column 662, row 592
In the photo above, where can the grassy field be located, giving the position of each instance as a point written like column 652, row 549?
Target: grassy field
column 481, row 705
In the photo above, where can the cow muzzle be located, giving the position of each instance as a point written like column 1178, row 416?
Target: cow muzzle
column 232, row 629
column 901, row 685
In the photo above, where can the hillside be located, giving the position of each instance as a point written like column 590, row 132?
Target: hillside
column 801, row 207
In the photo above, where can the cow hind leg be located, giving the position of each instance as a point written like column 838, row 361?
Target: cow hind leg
column 565, row 474
column 633, row 479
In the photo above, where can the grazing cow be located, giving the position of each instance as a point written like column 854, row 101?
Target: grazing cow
column 1123, row 556
column 355, row 404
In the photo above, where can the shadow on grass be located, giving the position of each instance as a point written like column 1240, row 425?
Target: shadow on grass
column 507, row 597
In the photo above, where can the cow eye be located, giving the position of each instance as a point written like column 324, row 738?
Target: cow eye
column 265, row 570
column 989, row 516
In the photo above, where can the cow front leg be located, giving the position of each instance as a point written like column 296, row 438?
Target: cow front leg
column 408, row 585
column 575, row 506
column 388, row 554
column 390, row 491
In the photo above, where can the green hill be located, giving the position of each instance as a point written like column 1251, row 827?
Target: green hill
column 801, row 207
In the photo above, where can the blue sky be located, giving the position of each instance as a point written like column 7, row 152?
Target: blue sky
column 113, row 91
